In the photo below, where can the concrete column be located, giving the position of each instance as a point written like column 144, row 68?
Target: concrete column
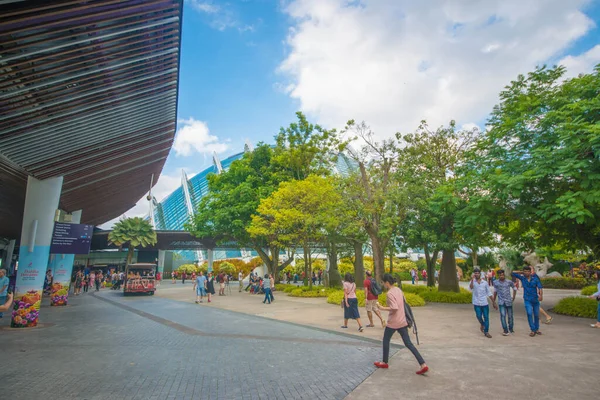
column 41, row 202
column 62, row 271
column 7, row 265
column 210, row 257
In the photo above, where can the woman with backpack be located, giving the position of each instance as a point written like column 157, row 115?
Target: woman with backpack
column 397, row 321
column 350, row 302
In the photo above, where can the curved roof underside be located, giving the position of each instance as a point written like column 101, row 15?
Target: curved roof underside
column 88, row 91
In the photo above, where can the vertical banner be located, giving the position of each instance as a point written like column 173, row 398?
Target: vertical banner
column 63, row 268
column 30, row 281
column 41, row 202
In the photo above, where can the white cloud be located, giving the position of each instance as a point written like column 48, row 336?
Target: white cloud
column 194, row 136
column 396, row 62
column 205, row 6
column 583, row 63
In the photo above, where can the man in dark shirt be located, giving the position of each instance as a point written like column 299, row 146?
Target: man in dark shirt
column 532, row 295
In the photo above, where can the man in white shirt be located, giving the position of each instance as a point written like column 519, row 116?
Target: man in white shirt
column 241, row 279
column 481, row 293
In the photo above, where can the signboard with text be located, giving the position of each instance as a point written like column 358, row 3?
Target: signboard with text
column 71, row 238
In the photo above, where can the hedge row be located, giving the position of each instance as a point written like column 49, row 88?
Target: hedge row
column 577, row 307
column 432, row 295
column 589, row 290
column 304, row 291
column 335, row 297
column 564, row 283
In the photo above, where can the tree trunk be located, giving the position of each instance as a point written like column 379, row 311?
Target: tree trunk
column 130, row 251
column 306, row 257
column 391, row 261
column 475, row 258
column 431, row 261
column 310, row 280
column 378, row 257
column 359, row 265
column 335, row 280
column 448, row 279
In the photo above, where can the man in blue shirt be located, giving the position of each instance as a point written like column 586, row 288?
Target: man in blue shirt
column 200, row 286
column 3, row 288
column 532, row 295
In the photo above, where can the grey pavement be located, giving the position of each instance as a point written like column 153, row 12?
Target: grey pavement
column 105, row 346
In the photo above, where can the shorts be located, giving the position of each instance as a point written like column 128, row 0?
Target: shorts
column 222, row 285
column 371, row 305
column 200, row 291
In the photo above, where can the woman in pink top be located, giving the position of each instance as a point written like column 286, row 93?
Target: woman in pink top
column 350, row 302
column 397, row 322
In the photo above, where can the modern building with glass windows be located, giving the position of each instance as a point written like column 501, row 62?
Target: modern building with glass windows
column 174, row 211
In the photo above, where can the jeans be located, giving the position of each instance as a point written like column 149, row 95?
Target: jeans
column 533, row 314
column 483, row 316
column 271, row 294
column 599, row 311
column 412, row 278
column 267, row 295
column 2, row 301
column 506, row 311
column 387, row 336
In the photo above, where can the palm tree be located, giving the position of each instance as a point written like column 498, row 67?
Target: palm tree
column 132, row 232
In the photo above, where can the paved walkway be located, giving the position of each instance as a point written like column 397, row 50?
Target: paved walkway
column 105, row 346
column 562, row 364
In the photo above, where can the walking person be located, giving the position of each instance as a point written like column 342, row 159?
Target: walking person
column 371, row 301
column 502, row 288
column 78, row 283
column 533, row 293
column 481, row 293
column 424, row 275
column 267, row 288
column 183, row 277
column 200, row 287
column 210, row 286
column 596, row 296
column 397, row 323
column 3, row 288
column 221, row 280
column 413, row 275
column 272, row 287
column 241, row 281
column 350, row 302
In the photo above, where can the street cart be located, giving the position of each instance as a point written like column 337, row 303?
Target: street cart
column 140, row 278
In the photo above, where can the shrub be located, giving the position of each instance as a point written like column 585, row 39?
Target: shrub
column 336, row 296
column 434, row 296
column 404, row 265
column 564, row 283
column 402, row 276
column 589, row 290
column 577, row 307
column 305, row 292
column 281, row 287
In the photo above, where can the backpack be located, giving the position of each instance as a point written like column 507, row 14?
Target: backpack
column 410, row 319
column 375, row 287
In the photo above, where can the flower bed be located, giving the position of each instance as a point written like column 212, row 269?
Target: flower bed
column 336, row 296
column 432, row 295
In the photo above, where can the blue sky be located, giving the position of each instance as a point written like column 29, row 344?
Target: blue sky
column 248, row 65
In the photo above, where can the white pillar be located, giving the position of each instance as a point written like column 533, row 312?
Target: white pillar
column 41, row 202
column 161, row 261
column 9, row 255
column 210, row 256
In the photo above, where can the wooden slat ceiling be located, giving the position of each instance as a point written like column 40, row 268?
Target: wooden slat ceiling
column 88, row 91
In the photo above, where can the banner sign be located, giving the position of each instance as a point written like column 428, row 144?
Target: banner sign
column 71, row 238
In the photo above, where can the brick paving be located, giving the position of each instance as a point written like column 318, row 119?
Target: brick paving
column 111, row 347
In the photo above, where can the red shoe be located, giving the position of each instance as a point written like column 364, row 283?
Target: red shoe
column 423, row 370
column 380, row 364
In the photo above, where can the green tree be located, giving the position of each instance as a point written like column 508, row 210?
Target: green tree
column 538, row 162
column 373, row 192
column 428, row 168
column 299, row 213
column 132, row 232
column 225, row 212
